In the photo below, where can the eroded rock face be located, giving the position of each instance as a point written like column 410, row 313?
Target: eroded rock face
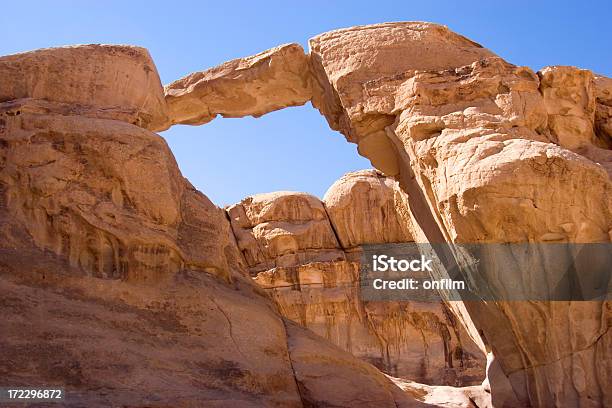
column 118, row 209
column 471, row 137
column 577, row 118
column 117, row 274
column 366, row 207
column 117, row 82
column 415, row 340
column 570, row 102
column 361, row 106
column 283, row 229
column 603, row 109
column 420, row 341
column 265, row 82
column 97, row 221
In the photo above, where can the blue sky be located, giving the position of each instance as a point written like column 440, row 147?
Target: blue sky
column 293, row 149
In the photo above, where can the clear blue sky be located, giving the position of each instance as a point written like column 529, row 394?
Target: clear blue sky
column 294, row 149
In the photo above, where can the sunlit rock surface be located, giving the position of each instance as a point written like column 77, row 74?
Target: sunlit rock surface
column 118, row 275
column 481, row 148
column 122, row 283
column 252, row 86
column 420, row 341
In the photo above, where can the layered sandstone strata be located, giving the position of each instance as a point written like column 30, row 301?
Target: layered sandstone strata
column 305, row 253
column 283, row 229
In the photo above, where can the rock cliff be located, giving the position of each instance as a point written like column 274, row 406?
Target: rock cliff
column 130, row 287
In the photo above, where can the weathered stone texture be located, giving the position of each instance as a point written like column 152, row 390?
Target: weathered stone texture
column 98, row 225
column 272, row 80
column 103, row 81
column 283, row 229
column 420, row 341
column 472, row 139
column 117, row 274
column 366, row 207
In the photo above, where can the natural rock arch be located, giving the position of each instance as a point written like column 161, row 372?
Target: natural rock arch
column 477, row 143
column 425, row 104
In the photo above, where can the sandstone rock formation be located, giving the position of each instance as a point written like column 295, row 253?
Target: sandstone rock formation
column 356, row 103
column 481, row 148
column 603, row 109
column 471, row 136
column 420, row 341
column 283, row 229
column 118, row 209
column 116, row 82
column 117, row 275
column 573, row 100
column 365, row 207
column 121, row 282
column 309, row 263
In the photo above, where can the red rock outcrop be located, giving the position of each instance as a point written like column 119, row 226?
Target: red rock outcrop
column 603, row 109
column 366, row 207
column 283, row 229
column 487, row 152
column 468, row 136
column 570, row 97
column 106, row 81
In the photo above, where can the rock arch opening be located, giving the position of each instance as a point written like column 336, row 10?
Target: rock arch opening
column 290, row 240
column 286, row 150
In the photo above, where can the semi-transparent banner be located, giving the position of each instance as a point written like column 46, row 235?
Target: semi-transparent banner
column 490, row 272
